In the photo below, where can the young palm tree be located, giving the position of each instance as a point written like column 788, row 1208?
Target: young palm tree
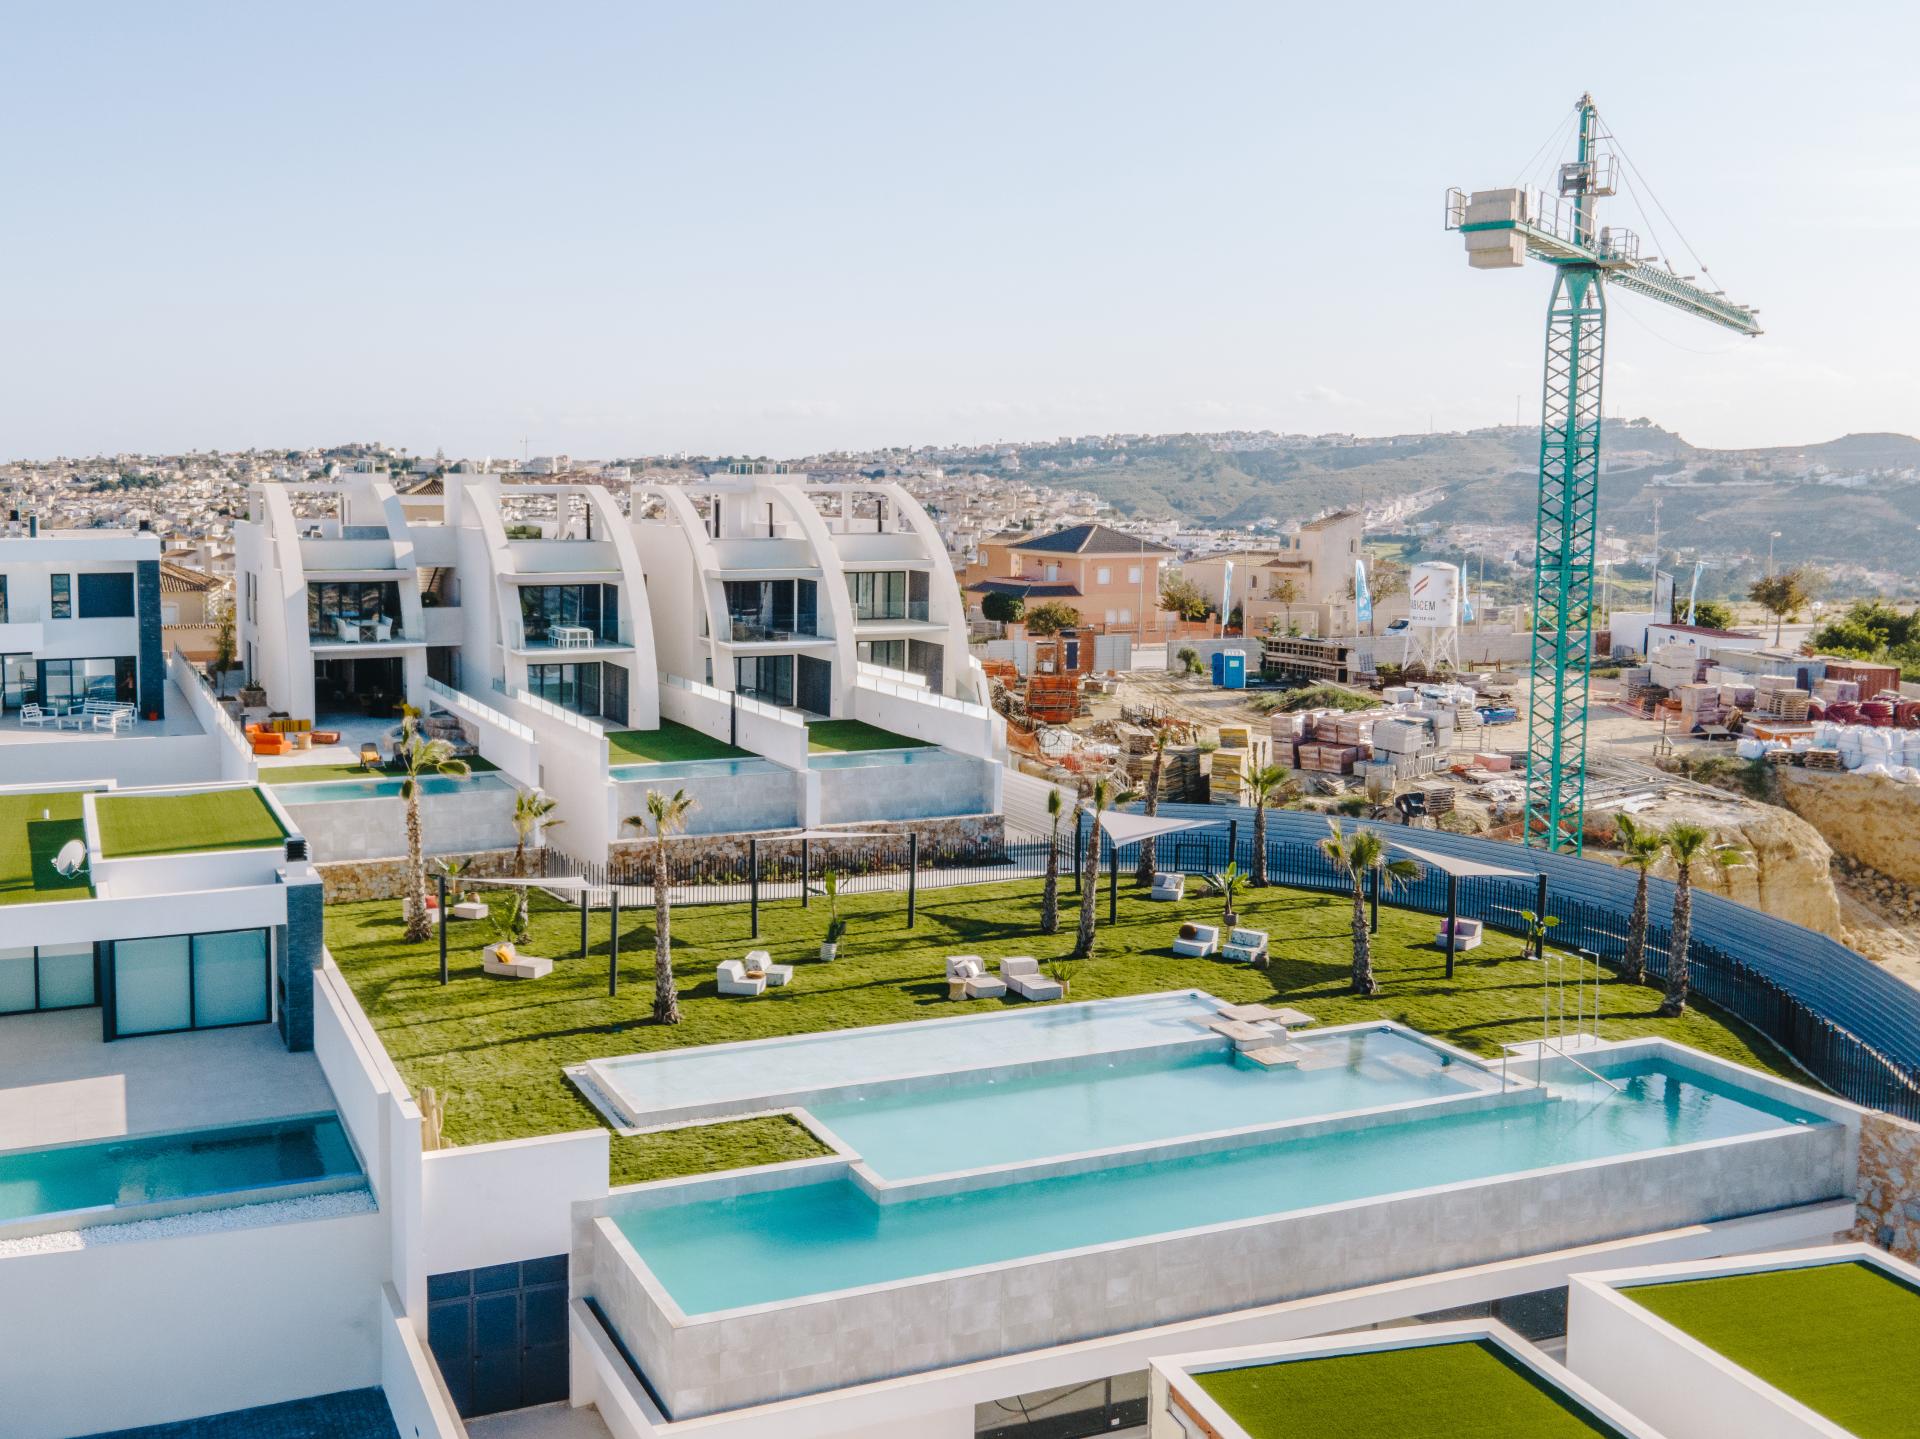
column 1149, row 855
column 531, row 810
column 1689, row 844
column 420, row 757
column 668, row 814
column 1050, row 896
column 1640, row 851
column 1354, row 855
column 1097, row 800
column 1268, row 785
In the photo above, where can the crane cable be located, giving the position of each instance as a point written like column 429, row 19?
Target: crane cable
column 1679, row 234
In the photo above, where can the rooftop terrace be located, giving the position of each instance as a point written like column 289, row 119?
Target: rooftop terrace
column 845, row 736
column 193, row 822
column 671, row 743
column 33, row 827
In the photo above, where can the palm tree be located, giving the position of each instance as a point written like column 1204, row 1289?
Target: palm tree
column 1689, row 844
column 1268, row 784
column 1640, row 851
column 1096, row 801
column 669, row 815
column 1354, row 855
column 531, row 808
column 1149, row 856
column 1050, row 896
column 419, row 757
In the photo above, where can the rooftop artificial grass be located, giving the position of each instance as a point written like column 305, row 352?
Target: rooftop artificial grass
column 843, row 736
column 133, row 825
column 1837, row 1337
column 670, row 743
column 28, row 844
column 1428, row 1391
column 316, row 773
column 494, row 1050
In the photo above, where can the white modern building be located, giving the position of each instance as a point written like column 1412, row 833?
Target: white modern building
column 80, row 618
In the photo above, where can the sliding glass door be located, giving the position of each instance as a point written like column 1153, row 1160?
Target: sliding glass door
column 167, row 983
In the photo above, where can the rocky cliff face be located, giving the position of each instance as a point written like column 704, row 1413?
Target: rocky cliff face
column 1868, row 818
column 1787, row 871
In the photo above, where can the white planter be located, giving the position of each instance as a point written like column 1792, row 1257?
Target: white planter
column 829, row 951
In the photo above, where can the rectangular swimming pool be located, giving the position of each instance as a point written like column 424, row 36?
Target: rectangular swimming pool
column 735, row 768
column 873, row 758
column 379, row 787
column 763, row 1247
column 710, row 1079
column 1131, row 1101
column 148, row 1175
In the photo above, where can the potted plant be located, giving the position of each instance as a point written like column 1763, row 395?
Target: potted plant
column 836, row 926
column 1228, row 879
column 1058, row 973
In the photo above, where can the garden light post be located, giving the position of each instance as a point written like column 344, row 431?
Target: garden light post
column 583, row 921
column 1540, row 908
column 1453, row 919
column 1113, row 881
column 613, row 943
column 442, row 880
column 913, row 874
column 806, row 871
column 753, row 883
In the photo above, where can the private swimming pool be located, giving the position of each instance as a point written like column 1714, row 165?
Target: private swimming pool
column 376, row 787
column 695, row 769
column 146, row 1176
column 873, row 758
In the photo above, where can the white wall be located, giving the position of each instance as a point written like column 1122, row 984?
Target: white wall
column 416, row 1396
column 133, row 760
column 235, row 755
column 175, row 1328
column 774, row 733
column 573, row 770
column 502, row 1203
column 964, row 728
column 502, row 739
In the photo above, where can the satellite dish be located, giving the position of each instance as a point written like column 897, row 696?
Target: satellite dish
column 71, row 859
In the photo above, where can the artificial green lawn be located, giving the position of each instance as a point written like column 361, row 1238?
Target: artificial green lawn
column 315, row 773
column 494, row 1048
column 1435, row 1391
column 148, row 824
column 1838, row 1337
column 670, row 743
column 843, row 736
column 29, row 843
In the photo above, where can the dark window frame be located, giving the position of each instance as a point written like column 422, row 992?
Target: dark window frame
column 60, row 597
column 104, row 595
column 107, row 968
column 38, row 1006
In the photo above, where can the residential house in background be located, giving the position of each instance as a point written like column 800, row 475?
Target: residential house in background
column 80, row 619
column 1111, row 579
column 189, row 610
column 1304, row 580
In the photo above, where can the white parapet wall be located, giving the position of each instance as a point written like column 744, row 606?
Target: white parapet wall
column 232, row 751
column 918, row 713
column 722, row 715
column 502, row 1203
column 1682, row 1386
column 417, row 1396
column 502, row 739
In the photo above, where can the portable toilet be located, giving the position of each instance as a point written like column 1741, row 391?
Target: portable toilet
column 1230, row 669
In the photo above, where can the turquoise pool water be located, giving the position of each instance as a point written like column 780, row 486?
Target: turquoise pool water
column 906, row 1136
column 649, row 1084
column 373, row 787
column 871, row 758
column 158, row 1168
column 696, row 769
column 760, row 1248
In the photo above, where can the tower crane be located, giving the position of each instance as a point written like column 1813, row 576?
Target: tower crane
column 1502, row 230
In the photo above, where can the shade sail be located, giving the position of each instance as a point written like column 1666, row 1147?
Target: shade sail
column 1457, row 867
column 1125, row 829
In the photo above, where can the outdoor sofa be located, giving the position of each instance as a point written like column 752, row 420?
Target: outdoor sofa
column 1022, row 975
column 1466, row 934
column 1197, row 940
column 1168, row 887
column 967, row 978
column 1245, row 946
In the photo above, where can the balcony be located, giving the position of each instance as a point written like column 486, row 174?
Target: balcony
column 353, row 556
column 914, row 611
column 749, row 630
column 361, row 632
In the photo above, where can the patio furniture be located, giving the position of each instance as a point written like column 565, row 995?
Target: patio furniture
column 113, row 720
column 74, row 717
column 1196, row 940
column 1466, row 935
column 1022, row 975
column 732, row 977
column 326, row 736
column 504, row 960
column 571, row 637
column 369, row 755
column 468, row 909
column 760, row 963
column 967, row 978
column 267, row 741
column 346, row 631
column 382, row 629
column 1168, row 886
column 34, row 715
column 1245, row 946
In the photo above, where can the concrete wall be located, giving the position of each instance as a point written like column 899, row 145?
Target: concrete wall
column 936, row 785
column 780, row 736
column 723, row 804
column 702, row 1364
column 502, row 1203
column 173, row 1328
column 917, row 713
column 421, row 1406
column 1890, row 1184
column 134, row 760
column 502, row 739
column 234, row 754
column 457, row 823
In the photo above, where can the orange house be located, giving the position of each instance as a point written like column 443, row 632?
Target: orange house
column 1111, row 579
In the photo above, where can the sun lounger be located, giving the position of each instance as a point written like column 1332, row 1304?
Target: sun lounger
column 759, row 962
column 732, row 977
column 1466, row 934
column 508, row 963
column 967, row 978
column 1196, row 940
column 1021, row 974
column 1168, row 886
column 1245, row 946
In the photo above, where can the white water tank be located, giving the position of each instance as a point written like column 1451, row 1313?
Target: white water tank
column 1433, row 596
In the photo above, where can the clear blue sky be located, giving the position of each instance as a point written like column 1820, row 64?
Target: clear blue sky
column 623, row 228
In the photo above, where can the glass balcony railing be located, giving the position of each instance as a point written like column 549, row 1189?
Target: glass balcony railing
column 344, row 631
column 750, row 629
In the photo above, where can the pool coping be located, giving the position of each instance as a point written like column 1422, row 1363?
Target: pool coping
column 1597, row 1301
column 60, row 1221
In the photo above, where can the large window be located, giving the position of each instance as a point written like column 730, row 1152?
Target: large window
column 60, row 598
column 70, row 682
column 54, row 976
column 890, row 653
column 106, row 597
column 572, row 687
column 173, row 982
column 19, row 681
column 595, row 608
column 370, row 610
column 773, row 609
column 3, row 599
column 764, row 677
column 878, row 594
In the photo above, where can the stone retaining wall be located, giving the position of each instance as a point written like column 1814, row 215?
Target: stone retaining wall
column 1889, row 1185
column 350, row 880
column 721, row 855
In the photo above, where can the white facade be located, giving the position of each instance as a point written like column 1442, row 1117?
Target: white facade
column 70, row 608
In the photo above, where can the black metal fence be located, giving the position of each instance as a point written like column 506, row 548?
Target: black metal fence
column 789, row 869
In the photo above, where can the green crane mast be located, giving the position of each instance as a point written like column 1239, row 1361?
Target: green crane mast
column 1502, row 230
